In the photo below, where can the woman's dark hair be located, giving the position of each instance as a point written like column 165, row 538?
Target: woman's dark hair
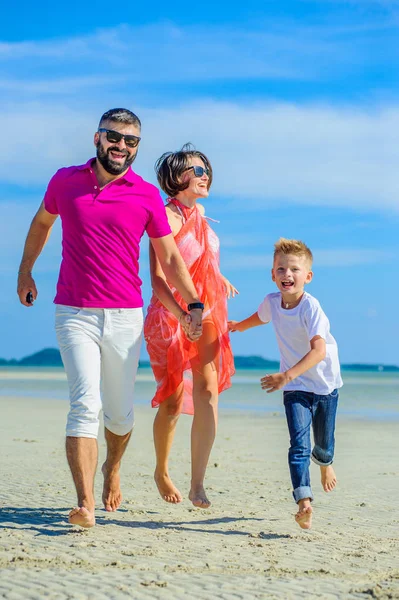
column 171, row 166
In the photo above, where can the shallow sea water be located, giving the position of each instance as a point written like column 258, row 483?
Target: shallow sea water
column 370, row 395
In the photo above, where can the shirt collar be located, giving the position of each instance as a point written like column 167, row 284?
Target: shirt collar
column 130, row 176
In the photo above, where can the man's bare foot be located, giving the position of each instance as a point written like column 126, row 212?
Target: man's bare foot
column 167, row 490
column 198, row 497
column 304, row 515
column 112, row 495
column 82, row 516
column 328, row 478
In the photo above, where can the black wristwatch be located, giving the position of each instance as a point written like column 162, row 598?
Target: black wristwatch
column 194, row 305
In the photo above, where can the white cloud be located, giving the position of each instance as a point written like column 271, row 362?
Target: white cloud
column 343, row 257
column 352, row 257
column 165, row 52
column 240, row 240
column 58, row 86
column 262, row 154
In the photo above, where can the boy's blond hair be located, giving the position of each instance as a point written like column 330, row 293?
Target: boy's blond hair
column 296, row 247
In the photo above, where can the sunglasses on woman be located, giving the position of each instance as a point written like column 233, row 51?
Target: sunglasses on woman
column 198, row 171
column 114, row 137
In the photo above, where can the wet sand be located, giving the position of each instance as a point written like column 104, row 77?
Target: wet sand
column 247, row 545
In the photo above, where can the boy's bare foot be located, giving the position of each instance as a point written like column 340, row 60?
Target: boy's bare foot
column 112, row 495
column 167, row 490
column 328, row 478
column 304, row 515
column 198, row 497
column 82, row 516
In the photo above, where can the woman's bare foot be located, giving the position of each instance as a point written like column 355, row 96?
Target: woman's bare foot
column 304, row 515
column 112, row 495
column 198, row 497
column 328, row 478
column 82, row 516
column 167, row 490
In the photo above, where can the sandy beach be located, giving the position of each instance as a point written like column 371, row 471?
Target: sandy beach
column 246, row 545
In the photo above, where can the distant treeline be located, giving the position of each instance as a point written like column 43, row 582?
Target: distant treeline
column 50, row 357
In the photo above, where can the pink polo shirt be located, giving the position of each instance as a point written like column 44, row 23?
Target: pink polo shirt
column 101, row 232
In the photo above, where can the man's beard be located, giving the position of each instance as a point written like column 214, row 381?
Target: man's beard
column 112, row 167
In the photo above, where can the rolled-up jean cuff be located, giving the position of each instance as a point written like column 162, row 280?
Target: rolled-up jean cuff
column 321, row 464
column 301, row 493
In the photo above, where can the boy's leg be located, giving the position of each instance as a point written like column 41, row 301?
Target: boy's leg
column 298, row 410
column 325, row 410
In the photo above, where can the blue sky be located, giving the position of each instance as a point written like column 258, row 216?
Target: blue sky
column 295, row 103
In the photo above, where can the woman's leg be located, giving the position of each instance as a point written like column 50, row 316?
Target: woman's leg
column 164, row 432
column 205, row 397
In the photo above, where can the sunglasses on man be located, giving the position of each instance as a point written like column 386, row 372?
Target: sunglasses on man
column 198, row 171
column 114, row 137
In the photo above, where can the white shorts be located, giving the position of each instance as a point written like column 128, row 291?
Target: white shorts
column 100, row 350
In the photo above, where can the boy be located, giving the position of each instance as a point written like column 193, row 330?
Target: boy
column 310, row 373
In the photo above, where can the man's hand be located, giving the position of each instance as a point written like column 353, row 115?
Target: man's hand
column 195, row 327
column 26, row 284
column 272, row 383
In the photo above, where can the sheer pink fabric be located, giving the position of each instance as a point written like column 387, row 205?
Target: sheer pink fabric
column 171, row 353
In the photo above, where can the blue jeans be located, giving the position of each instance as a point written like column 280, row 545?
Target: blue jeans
column 302, row 410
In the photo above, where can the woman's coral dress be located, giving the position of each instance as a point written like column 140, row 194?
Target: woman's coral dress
column 171, row 353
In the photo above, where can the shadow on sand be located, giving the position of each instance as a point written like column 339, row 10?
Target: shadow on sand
column 53, row 522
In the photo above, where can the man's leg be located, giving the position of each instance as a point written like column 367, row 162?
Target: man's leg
column 82, row 459
column 120, row 358
column 116, row 446
column 324, row 438
column 298, row 410
column 77, row 333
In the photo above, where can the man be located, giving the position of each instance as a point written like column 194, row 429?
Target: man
column 105, row 208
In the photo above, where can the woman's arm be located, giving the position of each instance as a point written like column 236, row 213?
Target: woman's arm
column 231, row 291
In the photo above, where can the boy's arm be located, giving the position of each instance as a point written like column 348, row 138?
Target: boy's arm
column 316, row 354
column 252, row 321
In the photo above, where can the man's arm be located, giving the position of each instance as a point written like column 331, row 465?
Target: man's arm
column 316, row 354
column 38, row 235
column 164, row 294
column 176, row 273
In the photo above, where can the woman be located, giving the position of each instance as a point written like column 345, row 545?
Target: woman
column 189, row 374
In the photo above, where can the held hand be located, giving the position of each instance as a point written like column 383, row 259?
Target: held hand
column 185, row 321
column 231, row 291
column 232, row 326
column 195, row 327
column 25, row 285
column 272, row 383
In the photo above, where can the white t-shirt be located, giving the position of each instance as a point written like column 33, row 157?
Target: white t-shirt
column 294, row 330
